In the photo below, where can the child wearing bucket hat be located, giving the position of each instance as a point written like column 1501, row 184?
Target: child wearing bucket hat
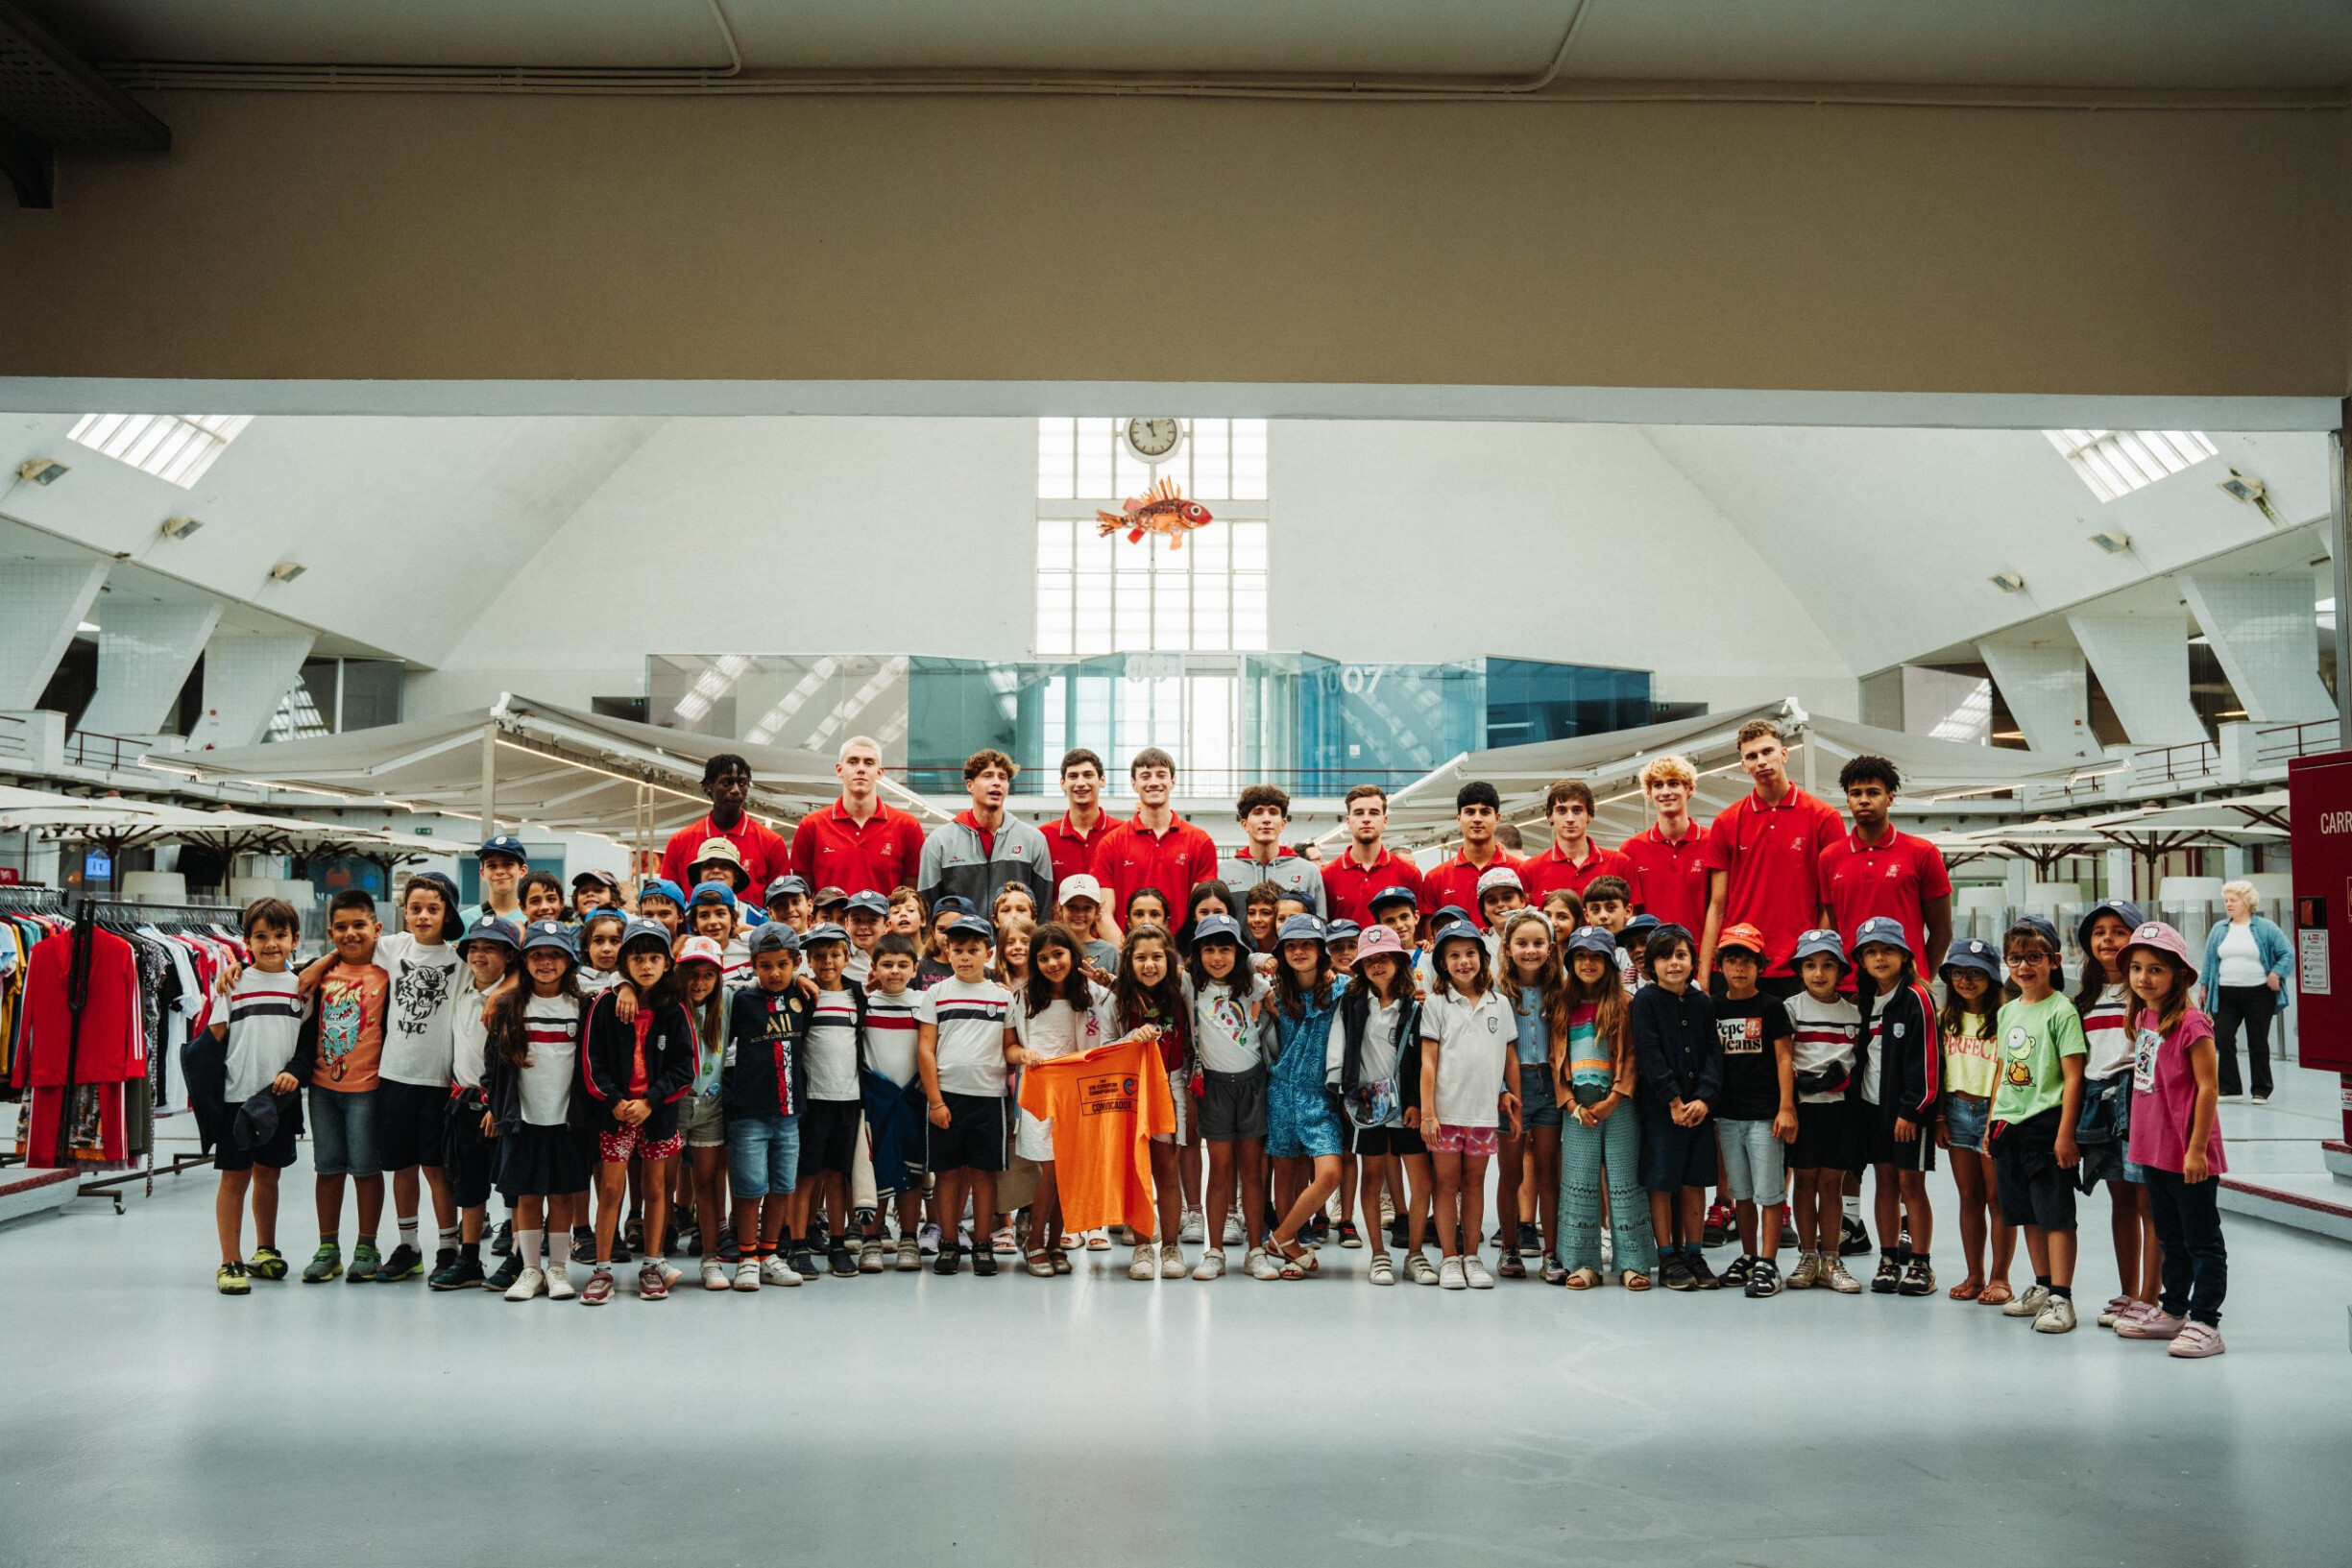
column 1469, row 1088
column 2176, row 1143
column 1377, row 1060
column 1902, row 1082
column 1827, row 1032
column 1972, row 993
column 533, row 1058
column 2104, row 1128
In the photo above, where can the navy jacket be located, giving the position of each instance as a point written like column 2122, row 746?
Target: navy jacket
column 607, row 1047
column 764, row 1074
column 1911, row 1064
column 1677, row 1054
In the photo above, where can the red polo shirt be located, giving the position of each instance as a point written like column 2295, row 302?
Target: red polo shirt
column 1772, row 856
column 1456, row 881
column 1073, row 851
column 1131, row 855
column 1669, row 877
column 830, row 850
column 1348, row 887
column 1553, row 870
column 1896, row 876
column 765, row 854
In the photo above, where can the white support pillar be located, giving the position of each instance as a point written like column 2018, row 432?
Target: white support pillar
column 2119, row 867
column 145, row 651
column 244, row 679
column 2048, row 689
column 2266, row 637
column 2143, row 664
column 41, row 606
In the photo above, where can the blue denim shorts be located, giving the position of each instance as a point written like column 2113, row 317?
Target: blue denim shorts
column 1964, row 1121
column 1755, row 1163
column 763, row 1155
column 1537, row 1106
column 343, row 1132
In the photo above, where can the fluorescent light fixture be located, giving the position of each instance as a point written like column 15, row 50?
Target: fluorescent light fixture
column 88, row 627
column 285, row 571
column 2115, row 463
column 2008, row 582
column 175, row 447
column 2238, row 488
column 2115, row 542
column 180, row 527
column 2231, row 713
column 42, row 470
column 2008, row 734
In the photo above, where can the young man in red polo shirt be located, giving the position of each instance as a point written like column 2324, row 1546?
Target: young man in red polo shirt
column 857, row 844
column 1876, row 871
column 727, row 780
column 1575, row 861
column 1668, row 859
column 1073, row 837
column 1477, row 811
column 1763, row 859
column 1156, row 848
column 1366, row 866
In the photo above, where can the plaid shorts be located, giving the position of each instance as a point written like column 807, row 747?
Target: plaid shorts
column 618, row 1145
column 1453, row 1139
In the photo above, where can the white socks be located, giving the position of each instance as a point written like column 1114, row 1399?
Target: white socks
column 1854, row 1208
column 448, row 1238
column 559, row 1250
column 526, row 1247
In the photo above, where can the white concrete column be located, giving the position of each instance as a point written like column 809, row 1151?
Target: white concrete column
column 2046, row 688
column 2266, row 637
column 2143, row 664
column 41, row 605
column 2119, row 869
column 244, row 679
column 145, row 651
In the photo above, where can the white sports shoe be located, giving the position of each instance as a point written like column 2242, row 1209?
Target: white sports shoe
column 2029, row 1302
column 1212, row 1264
column 927, row 1241
column 1475, row 1272
column 1233, row 1230
column 1172, row 1264
column 1420, row 1269
column 1145, row 1265
column 774, row 1270
column 1261, row 1264
column 2058, row 1317
column 529, row 1283
column 747, row 1274
column 559, row 1285
column 714, row 1274
column 1451, row 1276
column 1195, row 1226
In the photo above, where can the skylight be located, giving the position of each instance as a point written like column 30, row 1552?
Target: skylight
column 2115, row 463
column 174, row 446
column 1969, row 722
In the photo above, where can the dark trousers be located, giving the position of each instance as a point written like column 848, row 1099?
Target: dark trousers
column 2252, row 1005
column 2188, row 1218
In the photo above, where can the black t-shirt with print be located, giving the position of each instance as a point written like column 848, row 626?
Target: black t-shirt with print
column 1751, row 1068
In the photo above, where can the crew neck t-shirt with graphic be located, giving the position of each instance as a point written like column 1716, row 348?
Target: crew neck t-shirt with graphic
column 890, row 1033
column 1827, row 1033
column 1224, row 1032
column 352, row 1002
column 1968, row 1066
column 2107, row 1035
column 1474, row 1041
column 1751, row 1064
column 417, row 1029
column 2031, row 1039
column 831, row 1051
column 2164, row 1094
column 970, row 1017
column 265, row 1015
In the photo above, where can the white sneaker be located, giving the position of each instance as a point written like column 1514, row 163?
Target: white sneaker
column 2029, row 1302
column 1172, row 1264
column 714, row 1274
column 747, row 1274
column 1233, row 1230
column 1212, row 1264
column 1451, row 1276
column 1261, row 1264
column 1381, row 1270
column 1420, row 1269
column 559, row 1285
column 2058, row 1317
column 529, row 1283
column 2116, row 1306
column 1475, row 1272
column 1195, row 1227
column 928, row 1241
column 774, row 1270
column 1145, row 1265
column 1837, row 1277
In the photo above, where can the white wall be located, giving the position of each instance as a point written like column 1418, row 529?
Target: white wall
column 1416, row 542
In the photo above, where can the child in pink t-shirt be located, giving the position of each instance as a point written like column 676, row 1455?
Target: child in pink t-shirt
column 2176, row 1139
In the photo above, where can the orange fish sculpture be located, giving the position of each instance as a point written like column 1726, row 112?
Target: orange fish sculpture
column 1160, row 510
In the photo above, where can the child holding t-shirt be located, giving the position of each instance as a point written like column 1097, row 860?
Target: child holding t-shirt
column 262, row 1027
column 2032, row 1131
column 1757, row 1118
column 345, row 1037
column 964, row 1036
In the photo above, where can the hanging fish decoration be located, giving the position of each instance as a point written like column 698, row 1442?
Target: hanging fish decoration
column 1160, row 510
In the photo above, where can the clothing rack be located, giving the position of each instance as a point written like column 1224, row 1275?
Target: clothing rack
column 34, row 899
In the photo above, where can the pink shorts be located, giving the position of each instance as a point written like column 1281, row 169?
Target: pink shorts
column 1453, row 1139
column 618, row 1145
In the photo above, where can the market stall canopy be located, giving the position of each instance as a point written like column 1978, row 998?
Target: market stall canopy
column 1610, row 763
column 541, row 763
column 2149, row 832
column 120, row 823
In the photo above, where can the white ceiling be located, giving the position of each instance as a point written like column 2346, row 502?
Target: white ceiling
column 2112, row 44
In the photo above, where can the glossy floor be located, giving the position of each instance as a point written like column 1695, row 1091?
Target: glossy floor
column 144, row 1420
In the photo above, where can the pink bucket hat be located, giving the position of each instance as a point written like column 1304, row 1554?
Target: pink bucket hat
column 1377, row 941
column 2159, row 937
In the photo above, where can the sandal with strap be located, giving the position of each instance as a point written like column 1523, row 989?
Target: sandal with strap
column 1584, row 1279
column 1634, row 1279
column 1996, row 1295
column 1040, row 1264
column 1298, row 1258
column 1965, row 1291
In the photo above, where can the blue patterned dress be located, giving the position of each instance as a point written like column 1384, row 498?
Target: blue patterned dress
column 1299, row 1120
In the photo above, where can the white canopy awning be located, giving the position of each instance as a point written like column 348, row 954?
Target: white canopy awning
column 2147, row 830
column 545, row 764
column 123, row 823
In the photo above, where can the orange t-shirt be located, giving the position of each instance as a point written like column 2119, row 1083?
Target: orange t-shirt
column 1104, row 1104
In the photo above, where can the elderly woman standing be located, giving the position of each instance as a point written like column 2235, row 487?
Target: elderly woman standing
column 2248, row 961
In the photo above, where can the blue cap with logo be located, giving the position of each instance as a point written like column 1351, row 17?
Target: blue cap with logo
column 869, row 903
column 823, row 931
column 491, row 928
column 714, row 893
column 953, row 905
column 642, row 929
column 784, row 887
column 1821, row 940
column 1395, row 892
column 506, row 844
column 661, row 887
column 1341, row 931
column 1593, row 939
column 971, row 925
column 775, row 937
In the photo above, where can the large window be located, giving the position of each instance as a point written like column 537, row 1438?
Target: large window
column 174, row 446
column 1098, row 594
column 2115, row 463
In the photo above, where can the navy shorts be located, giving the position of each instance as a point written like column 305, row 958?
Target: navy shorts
column 973, row 1137
column 1675, row 1157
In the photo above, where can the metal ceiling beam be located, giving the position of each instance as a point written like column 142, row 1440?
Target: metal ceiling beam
column 53, row 102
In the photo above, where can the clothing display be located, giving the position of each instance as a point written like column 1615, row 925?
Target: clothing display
column 1104, row 1104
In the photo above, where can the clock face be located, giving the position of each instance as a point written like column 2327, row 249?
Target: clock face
column 1153, row 438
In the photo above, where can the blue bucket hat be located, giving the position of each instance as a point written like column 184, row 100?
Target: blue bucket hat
column 1593, row 939
column 491, row 928
column 2043, row 927
column 1341, row 931
column 1219, row 928
column 2123, row 909
column 1886, row 931
column 1972, row 952
column 1300, row 929
column 1822, row 939
column 642, row 929
column 551, row 934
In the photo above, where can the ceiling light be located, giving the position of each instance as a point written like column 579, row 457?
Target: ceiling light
column 88, row 627
column 42, row 470
column 2008, row 582
column 2231, row 713
column 180, row 527
column 2238, row 486
column 2114, row 541
column 285, row 571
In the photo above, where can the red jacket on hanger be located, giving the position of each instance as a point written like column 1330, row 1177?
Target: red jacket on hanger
column 112, row 1047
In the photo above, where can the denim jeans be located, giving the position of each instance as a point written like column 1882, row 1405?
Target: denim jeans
column 1755, row 1163
column 1614, row 1146
column 763, row 1155
column 2188, row 1218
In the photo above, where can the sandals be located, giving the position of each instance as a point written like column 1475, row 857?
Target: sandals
column 1585, row 1279
column 1298, row 1259
column 1040, row 1264
column 1965, row 1291
column 1060, row 1260
column 1634, row 1279
column 1996, row 1295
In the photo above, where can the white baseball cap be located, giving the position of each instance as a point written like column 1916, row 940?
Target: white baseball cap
column 1081, row 886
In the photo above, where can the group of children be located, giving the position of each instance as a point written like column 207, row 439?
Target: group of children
column 770, row 1088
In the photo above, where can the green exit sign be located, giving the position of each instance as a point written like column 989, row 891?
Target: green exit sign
column 424, row 832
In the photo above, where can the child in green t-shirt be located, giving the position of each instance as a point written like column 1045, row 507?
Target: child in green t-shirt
column 2039, row 1049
